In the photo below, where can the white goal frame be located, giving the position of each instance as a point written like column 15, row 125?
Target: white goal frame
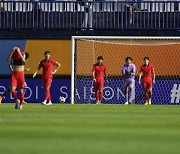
column 73, row 38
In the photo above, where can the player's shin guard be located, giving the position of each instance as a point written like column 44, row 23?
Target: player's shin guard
column 100, row 96
column 21, row 98
column 14, row 95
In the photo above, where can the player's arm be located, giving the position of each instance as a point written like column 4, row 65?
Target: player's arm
column 10, row 55
column 154, row 75
column 105, row 75
column 58, row 66
column 21, row 56
column 123, row 70
column 133, row 70
column 27, row 69
column 39, row 67
column 140, row 76
column 93, row 74
column 10, row 67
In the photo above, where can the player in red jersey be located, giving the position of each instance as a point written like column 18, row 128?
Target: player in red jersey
column 17, row 78
column 47, row 65
column 148, row 79
column 99, row 72
column 8, row 90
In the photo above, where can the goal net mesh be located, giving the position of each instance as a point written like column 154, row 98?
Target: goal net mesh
column 164, row 55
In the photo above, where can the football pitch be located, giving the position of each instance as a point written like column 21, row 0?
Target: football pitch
column 89, row 129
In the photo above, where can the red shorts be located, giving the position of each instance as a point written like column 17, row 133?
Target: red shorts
column 147, row 85
column 98, row 85
column 17, row 80
column 46, row 82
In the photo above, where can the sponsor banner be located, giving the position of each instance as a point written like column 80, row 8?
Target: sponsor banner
column 34, row 93
column 164, row 91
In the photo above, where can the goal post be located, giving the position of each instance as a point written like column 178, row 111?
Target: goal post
column 162, row 51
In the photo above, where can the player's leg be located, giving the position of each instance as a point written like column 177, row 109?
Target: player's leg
column 96, row 90
column 48, row 95
column 47, row 87
column 20, row 85
column 97, row 96
column 149, row 89
column 13, row 86
column 13, row 89
column 145, row 92
column 46, row 91
column 100, row 96
column 25, row 85
column 21, row 98
column 101, row 87
column 14, row 95
column 131, row 86
column 126, row 93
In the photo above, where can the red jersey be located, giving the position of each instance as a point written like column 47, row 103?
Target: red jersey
column 99, row 72
column 47, row 66
column 16, row 56
column 147, row 72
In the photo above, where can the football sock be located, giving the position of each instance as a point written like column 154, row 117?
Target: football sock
column 146, row 96
column 100, row 96
column 21, row 98
column 97, row 96
column 49, row 98
column 14, row 95
column 46, row 95
column 150, row 95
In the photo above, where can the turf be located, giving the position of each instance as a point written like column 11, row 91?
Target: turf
column 89, row 129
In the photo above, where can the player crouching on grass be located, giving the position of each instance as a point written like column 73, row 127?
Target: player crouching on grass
column 128, row 74
column 17, row 79
column 47, row 65
column 99, row 72
column 148, row 79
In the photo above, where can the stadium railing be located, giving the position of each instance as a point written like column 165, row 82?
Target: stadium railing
column 90, row 15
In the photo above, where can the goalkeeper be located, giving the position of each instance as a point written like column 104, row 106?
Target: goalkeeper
column 128, row 73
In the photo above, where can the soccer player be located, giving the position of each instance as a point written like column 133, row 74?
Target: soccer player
column 128, row 74
column 47, row 65
column 99, row 72
column 148, row 79
column 8, row 90
column 17, row 78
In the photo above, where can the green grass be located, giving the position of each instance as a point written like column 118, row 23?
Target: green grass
column 89, row 129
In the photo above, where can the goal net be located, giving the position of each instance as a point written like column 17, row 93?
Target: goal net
column 164, row 54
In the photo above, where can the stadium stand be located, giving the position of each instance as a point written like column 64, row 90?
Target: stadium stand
column 90, row 14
